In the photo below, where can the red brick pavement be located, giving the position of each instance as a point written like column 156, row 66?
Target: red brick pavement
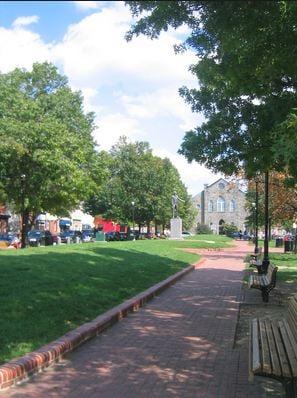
column 178, row 345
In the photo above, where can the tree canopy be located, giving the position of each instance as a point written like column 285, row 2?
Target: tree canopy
column 282, row 200
column 48, row 159
column 247, row 79
column 137, row 176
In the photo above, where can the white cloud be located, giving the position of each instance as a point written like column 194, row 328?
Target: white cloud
column 112, row 126
column 20, row 47
column 24, row 21
column 95, row 51
column 193, row 175
column 159, row 103
column 86, row 5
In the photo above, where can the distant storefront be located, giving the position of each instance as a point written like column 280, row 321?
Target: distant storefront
column 4, row 219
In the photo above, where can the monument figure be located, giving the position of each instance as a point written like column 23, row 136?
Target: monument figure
column 175, row 200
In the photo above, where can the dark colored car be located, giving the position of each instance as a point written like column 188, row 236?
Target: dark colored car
column 123, row 236
column 40, row 238
column 135, row 234
column 112, row 236
column 70, row 237
column 186, row 233
column 87, row 235
column 10, row 240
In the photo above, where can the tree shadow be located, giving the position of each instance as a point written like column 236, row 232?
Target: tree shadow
column 46, row 294
column 178, row 345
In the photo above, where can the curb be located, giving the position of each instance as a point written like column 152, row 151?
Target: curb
column 20, row 369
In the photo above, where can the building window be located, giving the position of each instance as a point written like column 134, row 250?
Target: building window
column 221, row 204
column 232, row 205
column 210, row 206
column 221, row 185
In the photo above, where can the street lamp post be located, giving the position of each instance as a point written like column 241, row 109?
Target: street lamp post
column 254, row 226
column 256, row 217
column 133, row 204
column 23, row 230
column 266, row 260
column 295, row 237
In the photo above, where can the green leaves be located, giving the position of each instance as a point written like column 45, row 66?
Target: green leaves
column 45, row 135
column 135, row 175
column 247, row 78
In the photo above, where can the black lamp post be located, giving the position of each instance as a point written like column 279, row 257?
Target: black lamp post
column 23, row 229
column 254, row 225
column 256, row 217
column 266, row 260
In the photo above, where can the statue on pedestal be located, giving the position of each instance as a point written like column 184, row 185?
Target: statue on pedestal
column 175, row 199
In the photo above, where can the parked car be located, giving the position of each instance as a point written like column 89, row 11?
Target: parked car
column 70, row 236
column 39, row 238
column 134, row 234
column 10, row 240
column 87, row 235
column 186, row 233
column 112, row 236
column 56, row 239
column 123, row 236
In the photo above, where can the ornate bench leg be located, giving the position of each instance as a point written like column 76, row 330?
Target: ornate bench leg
column 290, row 388
column 265, row 295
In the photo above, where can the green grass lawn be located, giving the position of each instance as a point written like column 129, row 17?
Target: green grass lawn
column 47, row 291
column 287, row 267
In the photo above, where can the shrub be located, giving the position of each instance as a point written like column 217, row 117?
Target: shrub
column 230, row 229
column 203, row 229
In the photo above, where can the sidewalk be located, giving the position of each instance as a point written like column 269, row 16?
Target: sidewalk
column 181, row 344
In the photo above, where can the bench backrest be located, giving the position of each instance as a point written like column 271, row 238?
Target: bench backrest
column 292, row 315
column 271, row 272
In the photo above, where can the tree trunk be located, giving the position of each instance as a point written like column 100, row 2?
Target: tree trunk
column 24, row 229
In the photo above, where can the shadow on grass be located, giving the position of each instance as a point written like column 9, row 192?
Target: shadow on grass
column 46, row 294
column 287, row 266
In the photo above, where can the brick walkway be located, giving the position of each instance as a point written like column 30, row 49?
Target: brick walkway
column 181, row 344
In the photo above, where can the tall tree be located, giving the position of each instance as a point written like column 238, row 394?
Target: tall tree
column 48, row 159
column 247, row 78
column 135, row 175
column 282, row 200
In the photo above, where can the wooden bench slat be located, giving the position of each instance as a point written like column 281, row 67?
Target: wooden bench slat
column 273, row 348
column 290, row 345
column 266, row 363
column 255, row 354
column 276, row 366
column 281, row 352
column 264, row 282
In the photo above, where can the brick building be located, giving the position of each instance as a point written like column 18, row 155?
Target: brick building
column 221, row 203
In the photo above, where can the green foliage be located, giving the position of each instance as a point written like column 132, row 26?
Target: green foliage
column 135, row 175
column 203, row 229
column 230, row 229
column 46, row 138
column 247, row 79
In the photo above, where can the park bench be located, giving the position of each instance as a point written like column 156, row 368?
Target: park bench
column 256, row 259
column 273, row 348
column 264, row 282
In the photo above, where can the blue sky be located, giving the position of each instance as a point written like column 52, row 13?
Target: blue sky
column 132, row 87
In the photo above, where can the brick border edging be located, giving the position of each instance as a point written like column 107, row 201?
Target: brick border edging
column 19, row 369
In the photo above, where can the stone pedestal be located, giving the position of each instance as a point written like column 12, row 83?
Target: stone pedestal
column 176, row 225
